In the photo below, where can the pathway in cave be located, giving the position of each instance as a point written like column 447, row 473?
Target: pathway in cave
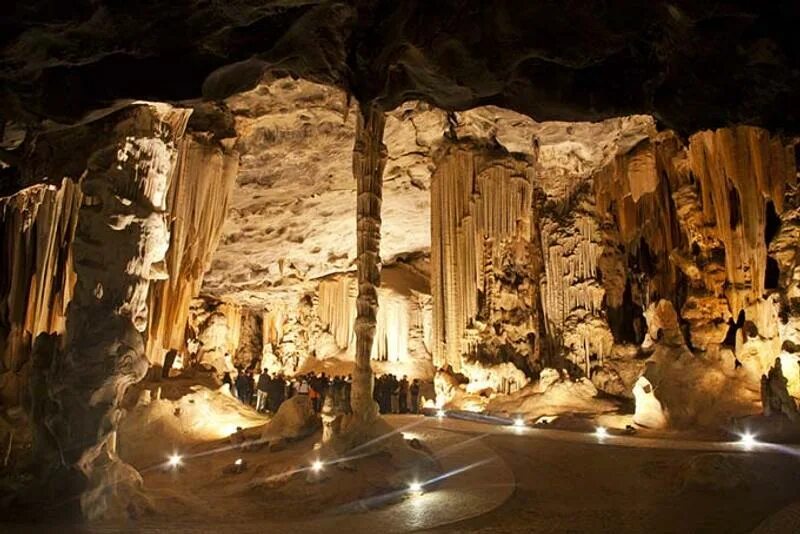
column 575, row 482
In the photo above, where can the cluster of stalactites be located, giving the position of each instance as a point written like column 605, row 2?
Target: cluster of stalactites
column 197, row 202
column 337, row 313
column 631, row 191
column 479, row 198
column 37, row 226
column 738, row 170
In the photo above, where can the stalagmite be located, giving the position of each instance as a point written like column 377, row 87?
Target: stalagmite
column 369, row 160
column 119, row 248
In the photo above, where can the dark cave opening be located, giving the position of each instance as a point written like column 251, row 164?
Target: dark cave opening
column 627, row 321
column 771, row 274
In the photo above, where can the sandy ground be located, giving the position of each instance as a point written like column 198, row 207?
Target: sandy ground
column 518, row 480
column 580, row 485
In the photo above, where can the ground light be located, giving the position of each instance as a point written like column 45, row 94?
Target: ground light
column 748, row 441
column 317, row 466
column 415, row 487
column 440, row 413
column 175, row 460
column 519, row 422
column 238, row 461
column 601, row 432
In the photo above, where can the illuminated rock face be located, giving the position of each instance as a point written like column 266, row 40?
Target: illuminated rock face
column 37, row 228
column 119, row 247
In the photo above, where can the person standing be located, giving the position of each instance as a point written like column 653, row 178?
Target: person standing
column 394, row 391
column 262, row 391
column 302, row 386
column 348, row 387
column 242, row 386
column 402, row 390
column 414, row 389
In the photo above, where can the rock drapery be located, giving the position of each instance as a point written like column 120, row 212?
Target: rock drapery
column 481, row 211
column 197, row 204
column 37, row 228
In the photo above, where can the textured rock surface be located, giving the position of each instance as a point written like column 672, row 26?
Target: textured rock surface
column 120, row 243
column 575, row 62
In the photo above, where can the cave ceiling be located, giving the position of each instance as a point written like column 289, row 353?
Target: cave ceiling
column 291, row 216
column 689, row 64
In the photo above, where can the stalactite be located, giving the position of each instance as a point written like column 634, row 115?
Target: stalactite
column 197, row 202
column 337, row 313
column 481, row 205
column 738, row 170
column 337, row 310
column 37, row 226
column 369, row 160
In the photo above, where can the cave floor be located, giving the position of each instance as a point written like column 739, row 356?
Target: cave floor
column 534, row 480
column 569, row 482
column 517, row 480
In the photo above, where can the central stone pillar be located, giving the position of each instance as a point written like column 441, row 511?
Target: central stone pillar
column 369, row 160
column 120, row 243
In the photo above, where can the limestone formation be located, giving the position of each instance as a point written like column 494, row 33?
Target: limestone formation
column 197, row 203
column 775, row 397
column 369, row 160
column 37, row 227
column 480, row 252
column 119, row 247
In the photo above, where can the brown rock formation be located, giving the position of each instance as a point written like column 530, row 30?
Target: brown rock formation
column 481, row 252
column 369, row 160
column 119, row 248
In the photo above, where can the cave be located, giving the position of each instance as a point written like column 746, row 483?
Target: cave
column 399, row 266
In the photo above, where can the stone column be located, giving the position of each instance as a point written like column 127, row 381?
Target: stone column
column 119, row 248
column 369, row 160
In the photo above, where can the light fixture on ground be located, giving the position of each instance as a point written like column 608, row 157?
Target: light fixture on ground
column 175, row 460
column 440, row 413
column 519, row 422
column 601, row 432
column 317, row 466
column 415, row 487
column 748, row 441
column 238, row 462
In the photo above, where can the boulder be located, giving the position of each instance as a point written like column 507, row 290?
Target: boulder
column 295, row 419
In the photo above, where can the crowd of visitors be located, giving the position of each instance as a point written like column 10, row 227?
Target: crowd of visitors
column 268, row 392
column 396, row 396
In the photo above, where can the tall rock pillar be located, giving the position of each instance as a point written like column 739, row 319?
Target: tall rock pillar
column 369, row 160
column 119, row 247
